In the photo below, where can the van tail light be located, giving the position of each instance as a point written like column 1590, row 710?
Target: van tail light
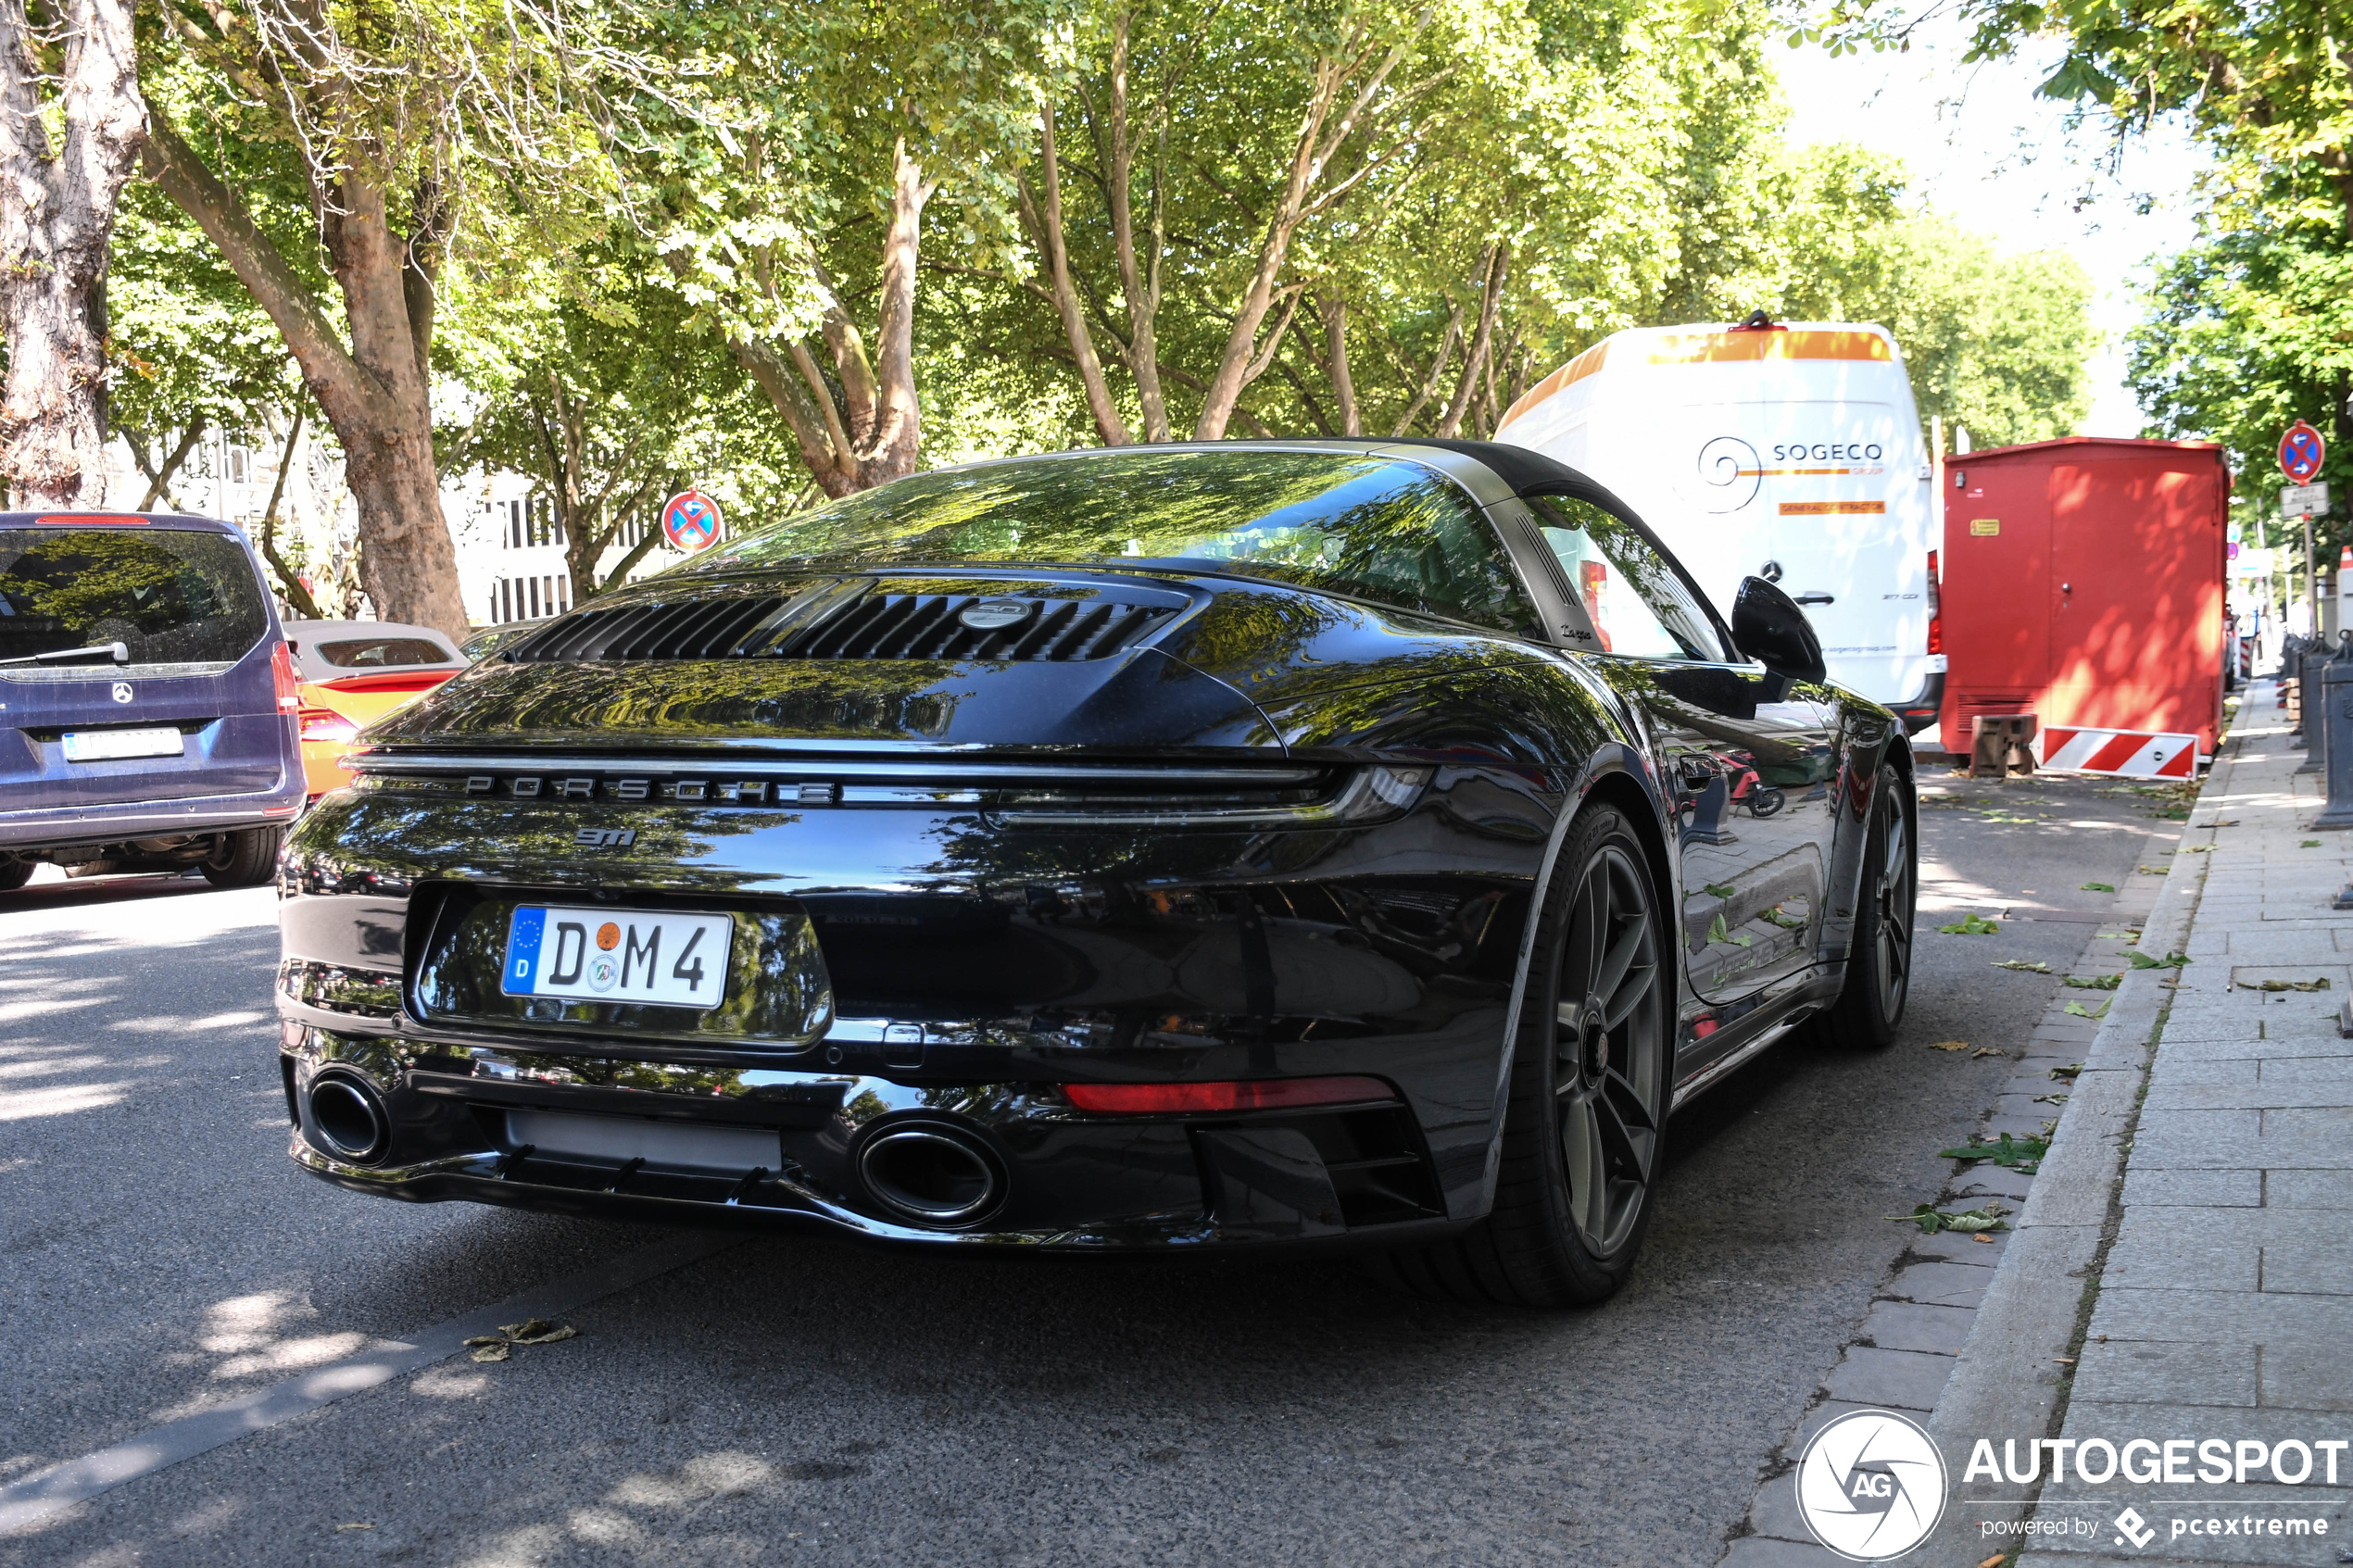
column 1936, row 609
column 325, row 723
column 282, row 669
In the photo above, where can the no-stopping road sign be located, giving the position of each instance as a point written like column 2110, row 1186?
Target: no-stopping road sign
column 2301, row 450
column 690, row 520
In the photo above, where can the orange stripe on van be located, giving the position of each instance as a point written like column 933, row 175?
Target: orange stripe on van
column 1575, row 371
column 1717, row 348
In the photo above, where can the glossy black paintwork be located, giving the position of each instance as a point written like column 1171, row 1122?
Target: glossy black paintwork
column 973, row 965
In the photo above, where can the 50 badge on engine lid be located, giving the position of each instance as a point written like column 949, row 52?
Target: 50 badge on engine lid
column 671, row 959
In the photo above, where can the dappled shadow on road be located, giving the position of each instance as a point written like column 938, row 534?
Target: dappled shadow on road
column 794, row 1397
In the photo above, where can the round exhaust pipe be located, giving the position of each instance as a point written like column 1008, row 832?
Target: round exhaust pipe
column 932, row 1173
column 348, row 1117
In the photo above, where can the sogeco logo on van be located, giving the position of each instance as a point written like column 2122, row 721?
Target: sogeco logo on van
column 1829, row 452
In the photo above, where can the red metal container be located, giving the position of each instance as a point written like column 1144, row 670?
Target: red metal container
column 2082, row 583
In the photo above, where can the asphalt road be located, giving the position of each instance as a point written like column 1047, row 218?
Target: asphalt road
column 788, row 1398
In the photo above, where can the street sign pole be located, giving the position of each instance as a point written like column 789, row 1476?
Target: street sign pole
column 2311, row 580
column 2301, row 452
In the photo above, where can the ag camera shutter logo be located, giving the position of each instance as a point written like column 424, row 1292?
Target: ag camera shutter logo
column 1871, row 1485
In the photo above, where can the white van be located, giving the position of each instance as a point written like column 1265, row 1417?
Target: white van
column 1789, row 452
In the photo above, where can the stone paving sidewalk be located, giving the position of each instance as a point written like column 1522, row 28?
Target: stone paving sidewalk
column 2181, row 1267
column 2225, row 1303
column 1904, row 1352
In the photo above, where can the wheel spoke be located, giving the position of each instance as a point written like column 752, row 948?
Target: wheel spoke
column 1594, row 915
column 1629, row 995
column 1620, row 957
column 1582, row 1163
column 1628, row 1147
column 1628, row 1101
column 1586, row 934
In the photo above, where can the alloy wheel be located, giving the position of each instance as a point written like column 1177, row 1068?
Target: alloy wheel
column 1609, row 1050
column 1893, row 896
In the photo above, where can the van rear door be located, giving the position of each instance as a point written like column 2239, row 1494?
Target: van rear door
column 1820, row 497
column 186, row 601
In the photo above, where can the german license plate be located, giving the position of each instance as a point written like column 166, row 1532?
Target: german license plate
column 107, row 746
column 618, row 956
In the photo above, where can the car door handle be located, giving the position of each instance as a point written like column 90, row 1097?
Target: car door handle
column 1815, row 597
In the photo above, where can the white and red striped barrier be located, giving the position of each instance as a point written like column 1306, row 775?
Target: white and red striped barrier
column 2132, row 754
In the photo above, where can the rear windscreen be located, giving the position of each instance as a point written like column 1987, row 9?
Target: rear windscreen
column 1352, row 522
column 382, row 653
column 171, row 596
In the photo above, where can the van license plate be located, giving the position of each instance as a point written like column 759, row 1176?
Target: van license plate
column 669, row 959
column 106, row 746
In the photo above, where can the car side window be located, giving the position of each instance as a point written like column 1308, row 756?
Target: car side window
column 1637, row 605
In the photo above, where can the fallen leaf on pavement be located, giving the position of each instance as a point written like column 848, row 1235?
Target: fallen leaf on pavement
column 2080, row 1011
column 2096, row 982
column 2067, row 1073
column 1972, row 925
column 538, row 1331
column 2309, row 843
column 2142, row 960
column 2022, row 1154
column 1987, row 1239
column 354, row 1527
column 2320, row 984
column 1948, row 1045
column 490, row 1346
column 2098, row 888
column 1968, row 1221
column 2035, row 968
column 1986, row 1051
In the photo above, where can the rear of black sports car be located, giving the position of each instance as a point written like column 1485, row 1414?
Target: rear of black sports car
column 1109, row 851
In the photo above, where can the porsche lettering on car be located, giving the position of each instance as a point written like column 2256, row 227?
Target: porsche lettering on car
column 1344, row 844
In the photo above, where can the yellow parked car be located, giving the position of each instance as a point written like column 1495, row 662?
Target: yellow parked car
column 353, row 672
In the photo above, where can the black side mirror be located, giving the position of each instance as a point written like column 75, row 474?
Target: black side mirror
column 1769, row 628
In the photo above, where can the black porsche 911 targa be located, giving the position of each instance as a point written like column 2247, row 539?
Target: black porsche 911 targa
column 1336, row 843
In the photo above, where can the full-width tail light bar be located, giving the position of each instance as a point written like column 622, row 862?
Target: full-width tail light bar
column 1219, row 1098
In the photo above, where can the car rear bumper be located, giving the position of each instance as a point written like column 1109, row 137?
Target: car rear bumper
column 54, row 828
column 1069, row 1183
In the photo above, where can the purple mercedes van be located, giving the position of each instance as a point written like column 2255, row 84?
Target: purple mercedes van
column 146, row 700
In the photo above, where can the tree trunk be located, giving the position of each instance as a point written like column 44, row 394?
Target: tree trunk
column 1437, row 370
column 375, row 393
column 1319, row 139
column 872, row 433
column 1046, row 218
column 1140, row 284
column 57, row 218
column 1336, row 366
column 1495, row 264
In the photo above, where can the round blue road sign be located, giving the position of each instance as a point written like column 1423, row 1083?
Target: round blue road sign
column 2301, row 450
column 690, row 520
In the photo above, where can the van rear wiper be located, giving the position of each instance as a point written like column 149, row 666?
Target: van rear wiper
column 115, row 653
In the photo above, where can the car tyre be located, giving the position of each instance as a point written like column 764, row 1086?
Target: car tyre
column 249, row 859
column 1879, row 964
column 1584, row 1125
column 14, row 874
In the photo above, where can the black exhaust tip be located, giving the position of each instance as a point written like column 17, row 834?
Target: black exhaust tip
column 931, row 1173
column 346, row 1116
